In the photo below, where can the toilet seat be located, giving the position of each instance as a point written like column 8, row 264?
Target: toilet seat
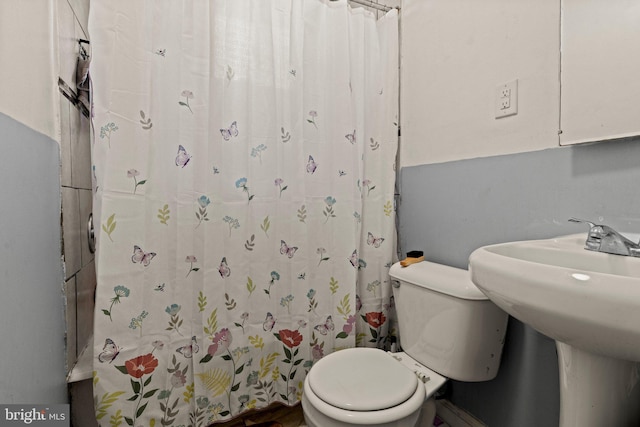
column 360, row 380
column 391, row 405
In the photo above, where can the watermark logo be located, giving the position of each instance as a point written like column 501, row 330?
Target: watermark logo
column 36, row 415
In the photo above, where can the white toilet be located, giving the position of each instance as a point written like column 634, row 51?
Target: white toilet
column 448, row 329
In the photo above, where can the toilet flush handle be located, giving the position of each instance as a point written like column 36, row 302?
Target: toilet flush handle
column 395, row 283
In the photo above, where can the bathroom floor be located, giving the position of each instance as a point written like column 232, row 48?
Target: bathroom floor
column 284, row 416
column 278, row 415
column 274, row 416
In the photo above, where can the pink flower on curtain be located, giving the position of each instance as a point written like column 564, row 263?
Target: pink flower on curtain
column 191, row 259
column 221, row 342
column 178, row 379
column 348, row 327
column 317, row 351
column 187, row 95
column 133, row 173
column 313, row 114
column 279, row 182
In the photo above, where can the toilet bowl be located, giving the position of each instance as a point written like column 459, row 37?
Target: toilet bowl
column 448, row 329
column 366, row 386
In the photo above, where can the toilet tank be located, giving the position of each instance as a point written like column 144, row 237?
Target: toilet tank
column 446, row 323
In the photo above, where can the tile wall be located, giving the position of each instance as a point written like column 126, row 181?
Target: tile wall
column 75, row 146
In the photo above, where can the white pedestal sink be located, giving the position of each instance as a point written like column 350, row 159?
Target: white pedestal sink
column 589, row 302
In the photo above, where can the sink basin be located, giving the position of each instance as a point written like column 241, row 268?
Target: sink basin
column 589, row 303
column 589, row 300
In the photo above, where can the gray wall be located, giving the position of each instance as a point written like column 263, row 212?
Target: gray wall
column 32, row 351
column 449, row 209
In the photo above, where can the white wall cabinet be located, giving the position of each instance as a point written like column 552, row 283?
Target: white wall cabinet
column 600, row 70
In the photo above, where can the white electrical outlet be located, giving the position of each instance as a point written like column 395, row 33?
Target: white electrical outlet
column 506, row 99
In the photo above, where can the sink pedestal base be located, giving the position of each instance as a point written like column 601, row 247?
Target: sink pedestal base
column 597, row 391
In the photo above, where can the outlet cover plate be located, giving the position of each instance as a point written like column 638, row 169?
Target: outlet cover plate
column 506, row 99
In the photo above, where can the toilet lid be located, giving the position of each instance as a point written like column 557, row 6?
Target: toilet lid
column 362, row 379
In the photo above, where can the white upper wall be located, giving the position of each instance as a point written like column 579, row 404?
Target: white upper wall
column 454, row 55
column 29, row 71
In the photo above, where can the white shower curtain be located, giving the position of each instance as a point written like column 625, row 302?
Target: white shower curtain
column 244, row 158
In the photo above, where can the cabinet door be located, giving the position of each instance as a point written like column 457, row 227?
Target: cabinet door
column 600, row 70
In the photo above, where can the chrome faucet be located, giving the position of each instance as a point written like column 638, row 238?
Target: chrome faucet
column 602, row 238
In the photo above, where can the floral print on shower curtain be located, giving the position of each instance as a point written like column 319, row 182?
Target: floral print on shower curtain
column 244, row 178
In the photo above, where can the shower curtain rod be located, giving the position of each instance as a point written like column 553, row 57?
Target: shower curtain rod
column 373, row 5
